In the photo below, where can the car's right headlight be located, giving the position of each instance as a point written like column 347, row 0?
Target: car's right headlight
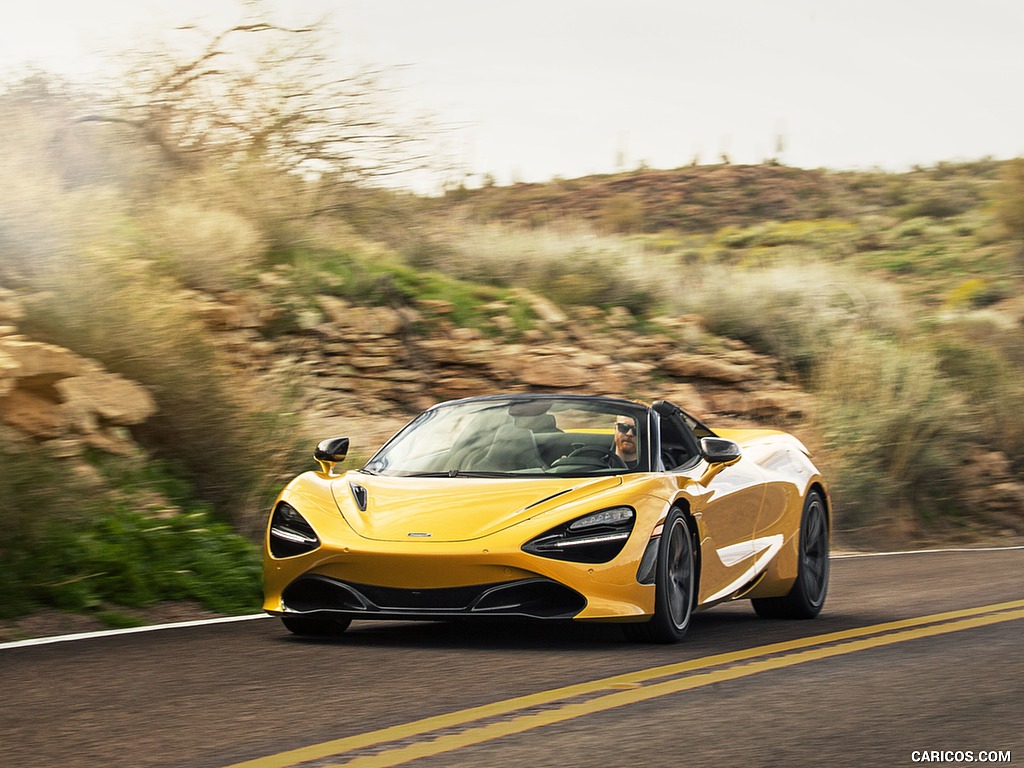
column 594, row 538
column 290, row 533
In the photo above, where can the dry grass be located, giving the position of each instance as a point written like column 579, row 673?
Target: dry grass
column 204, row 248
column 570, row 264
column 227, row 433
column 894, row 429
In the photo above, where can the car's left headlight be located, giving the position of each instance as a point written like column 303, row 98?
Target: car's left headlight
column 290, row 533
column 594, row 538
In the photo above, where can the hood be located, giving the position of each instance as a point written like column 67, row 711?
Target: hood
column 452, row 509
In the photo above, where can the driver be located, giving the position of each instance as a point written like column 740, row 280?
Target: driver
column 625, row 440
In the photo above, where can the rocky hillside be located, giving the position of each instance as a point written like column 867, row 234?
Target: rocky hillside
column 367, row 369
column 362, row 371
column 709, row 197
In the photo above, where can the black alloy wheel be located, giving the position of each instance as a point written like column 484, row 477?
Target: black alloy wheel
column 807, row 595
column 675, row 586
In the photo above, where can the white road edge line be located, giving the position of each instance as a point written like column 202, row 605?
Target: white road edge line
column 848, row 555
column 228, row 619
column 129, row 630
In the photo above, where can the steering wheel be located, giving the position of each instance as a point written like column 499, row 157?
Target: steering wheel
column 610, row 457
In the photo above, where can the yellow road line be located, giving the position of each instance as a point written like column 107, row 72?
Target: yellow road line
column 950, row 621
column 478, row 735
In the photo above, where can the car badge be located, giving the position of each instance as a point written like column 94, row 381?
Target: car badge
column 419, row 535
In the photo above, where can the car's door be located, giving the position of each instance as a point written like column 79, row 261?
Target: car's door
column 724, row 501
column 726, row 514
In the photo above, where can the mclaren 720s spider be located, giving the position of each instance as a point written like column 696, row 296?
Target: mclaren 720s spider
column 551, row 507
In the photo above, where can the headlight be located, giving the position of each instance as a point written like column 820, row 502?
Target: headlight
column 594, row 538
column 614, row 516
column 290, row 534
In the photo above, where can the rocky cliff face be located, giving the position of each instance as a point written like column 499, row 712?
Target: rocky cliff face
column 51, row 395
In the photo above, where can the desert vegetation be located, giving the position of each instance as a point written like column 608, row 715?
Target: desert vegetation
column 890, row 297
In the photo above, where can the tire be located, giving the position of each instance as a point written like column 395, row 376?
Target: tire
column 315, row 626
column 675, row 586
column 807, row 595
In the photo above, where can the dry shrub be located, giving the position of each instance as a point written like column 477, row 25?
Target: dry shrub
column 570, row 264
column 283, row 207
column 231, row 436
column 894, row 430
column 891, row 422
column 793, row 311
column 43, row 227
column 622, row 214
column 982, row 355
column 1008, row 198
column 204, row 248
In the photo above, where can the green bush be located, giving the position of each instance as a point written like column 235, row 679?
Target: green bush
column 79, row 546
column 827, row 236
column 381, row 279
column 571, row 265
column 975, row 293
column 128, row 559
column 938, row 205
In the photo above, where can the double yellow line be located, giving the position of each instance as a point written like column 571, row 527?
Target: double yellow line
column 444, row 733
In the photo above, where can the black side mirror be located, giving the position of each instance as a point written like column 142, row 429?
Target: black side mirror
column 330, row 452
column 719, row 453
column 718, row 450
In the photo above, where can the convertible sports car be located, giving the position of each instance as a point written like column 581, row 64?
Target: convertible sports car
column 546, row 506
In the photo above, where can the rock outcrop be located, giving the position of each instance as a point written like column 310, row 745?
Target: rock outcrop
column 50, row 393
column 397, row 361
column 991, row 486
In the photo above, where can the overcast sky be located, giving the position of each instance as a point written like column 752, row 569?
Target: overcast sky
column 544, row 88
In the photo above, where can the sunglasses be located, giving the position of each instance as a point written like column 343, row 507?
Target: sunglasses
column 626, row 428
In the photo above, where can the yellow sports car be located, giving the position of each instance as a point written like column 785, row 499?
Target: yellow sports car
column 546, row 506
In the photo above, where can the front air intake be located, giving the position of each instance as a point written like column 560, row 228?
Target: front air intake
column 536, row 598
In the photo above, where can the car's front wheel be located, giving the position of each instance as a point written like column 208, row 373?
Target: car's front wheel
column 675, row 586
column 807, row 595
column 315, row 626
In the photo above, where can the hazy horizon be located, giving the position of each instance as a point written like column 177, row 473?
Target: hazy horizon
column 536, row 90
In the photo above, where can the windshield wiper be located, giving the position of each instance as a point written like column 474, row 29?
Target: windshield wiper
column 457, row 473
column 474, row 473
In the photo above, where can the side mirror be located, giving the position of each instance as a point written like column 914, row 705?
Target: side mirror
column 718, row 450
column 330, row 452
column 719, row 453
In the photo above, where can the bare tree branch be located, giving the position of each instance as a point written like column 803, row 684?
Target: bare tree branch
column 286, row 104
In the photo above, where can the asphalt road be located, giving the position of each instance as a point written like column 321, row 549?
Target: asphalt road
column 919, row 653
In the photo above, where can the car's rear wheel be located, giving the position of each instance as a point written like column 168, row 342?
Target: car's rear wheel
column 315, row 626
column 807, row 595
column 675, row 586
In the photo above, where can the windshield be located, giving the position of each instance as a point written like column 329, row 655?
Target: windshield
column 517, row 436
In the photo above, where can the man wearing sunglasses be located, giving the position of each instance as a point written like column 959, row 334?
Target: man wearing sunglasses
column 625, row 440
